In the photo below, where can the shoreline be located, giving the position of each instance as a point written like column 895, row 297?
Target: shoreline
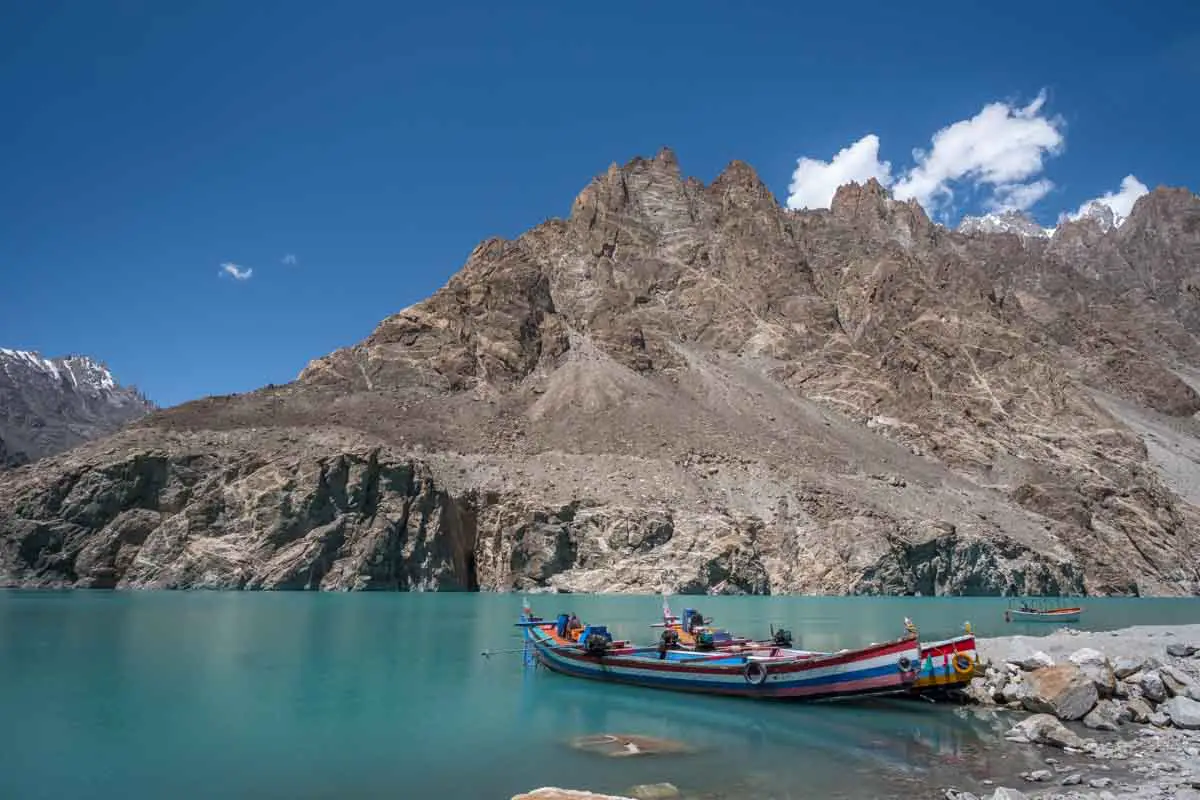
column 1115, row 714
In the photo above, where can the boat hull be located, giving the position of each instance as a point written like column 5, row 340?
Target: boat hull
column 1063, row 615
column 875, row 670
column 948, row 664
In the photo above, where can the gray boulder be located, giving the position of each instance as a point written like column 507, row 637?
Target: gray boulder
column 1181, row 650
column 1183, row 711
column 1063, row 691
column 1139, row 709
column 1044, row 729
column 1028, row 659
column 1153, row 688
column 1095, row 666
column 1106, row 716
column 1004, row 793
column 1176, row 681
column 1124, row 667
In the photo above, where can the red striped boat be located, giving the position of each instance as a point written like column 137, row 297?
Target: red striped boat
column 591, row 652
column 946, row 664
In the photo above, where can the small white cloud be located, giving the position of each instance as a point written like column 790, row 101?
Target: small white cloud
column 1002, row 147
column 814, row 182
column 1019, row 196
column 290, row 260
column 1121, row 201
column 236, row 272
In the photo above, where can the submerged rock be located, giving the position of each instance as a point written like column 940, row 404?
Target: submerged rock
column 1181, row 650
column 554, row 793
column 623, row 745
column 654, row 791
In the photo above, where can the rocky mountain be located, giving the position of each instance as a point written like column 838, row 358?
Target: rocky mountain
column 1006, row 222
column 680, row 384
column 48, row 405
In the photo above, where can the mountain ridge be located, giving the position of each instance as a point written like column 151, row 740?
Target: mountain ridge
column 680, row 384
column 48, row 405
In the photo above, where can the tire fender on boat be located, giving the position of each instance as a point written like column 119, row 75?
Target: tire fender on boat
column 755, row 672
column 905, row 664
column 962, row 663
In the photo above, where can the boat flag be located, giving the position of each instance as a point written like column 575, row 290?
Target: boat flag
column 526, row 611
column 668, row 617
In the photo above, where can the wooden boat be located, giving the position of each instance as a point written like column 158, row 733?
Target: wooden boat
column 944, row 665
column 948, row 664
column 1029, row 614
column 591, row 652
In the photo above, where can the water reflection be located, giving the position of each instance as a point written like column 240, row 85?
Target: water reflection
column 889, row 746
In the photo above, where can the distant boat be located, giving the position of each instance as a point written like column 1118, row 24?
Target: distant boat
column 1028, row 614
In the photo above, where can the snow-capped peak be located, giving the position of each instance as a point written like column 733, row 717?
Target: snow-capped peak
column 80, row 371
column 1005, row 222
column 1103, row 215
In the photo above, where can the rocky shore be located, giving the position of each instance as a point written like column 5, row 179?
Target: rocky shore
column 1121, row 703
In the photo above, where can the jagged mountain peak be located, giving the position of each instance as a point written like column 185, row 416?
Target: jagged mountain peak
column 1010, row 221
column 680, row 384
column 49, row 404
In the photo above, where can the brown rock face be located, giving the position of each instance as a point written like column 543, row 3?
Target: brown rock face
column 679, row 385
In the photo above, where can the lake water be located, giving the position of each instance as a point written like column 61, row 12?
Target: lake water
column 301, row 695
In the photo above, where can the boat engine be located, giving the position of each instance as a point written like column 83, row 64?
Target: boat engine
column 782, row 638
column 596, row 644
column 705, row 641
column 668, row 640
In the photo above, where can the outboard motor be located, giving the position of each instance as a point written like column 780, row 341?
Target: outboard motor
column 782, row 638
column 596, row 639
column 704, row 641
column 668, row 641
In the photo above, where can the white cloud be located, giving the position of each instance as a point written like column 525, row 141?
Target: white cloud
column 1121, row 202
column 814, row 182
column 1019, row 196
column 290, row 260
column 236, row 272
column 1001, row 147
column 1001, row 150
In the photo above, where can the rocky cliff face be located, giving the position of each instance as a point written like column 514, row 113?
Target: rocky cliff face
column 681, row 384
column 48, row 405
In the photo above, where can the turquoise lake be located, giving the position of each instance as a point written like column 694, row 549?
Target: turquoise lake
column 302, row 695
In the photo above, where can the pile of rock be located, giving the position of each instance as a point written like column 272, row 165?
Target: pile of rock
column 1103, row 694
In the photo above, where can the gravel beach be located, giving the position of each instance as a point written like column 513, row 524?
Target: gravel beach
column 1117, row 713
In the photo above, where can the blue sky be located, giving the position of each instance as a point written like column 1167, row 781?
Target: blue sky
column 148, row 143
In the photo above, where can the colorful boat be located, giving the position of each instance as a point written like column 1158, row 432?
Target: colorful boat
column 948, row 664
column 1029, row 614
column 944, row 665
column 591, row 652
